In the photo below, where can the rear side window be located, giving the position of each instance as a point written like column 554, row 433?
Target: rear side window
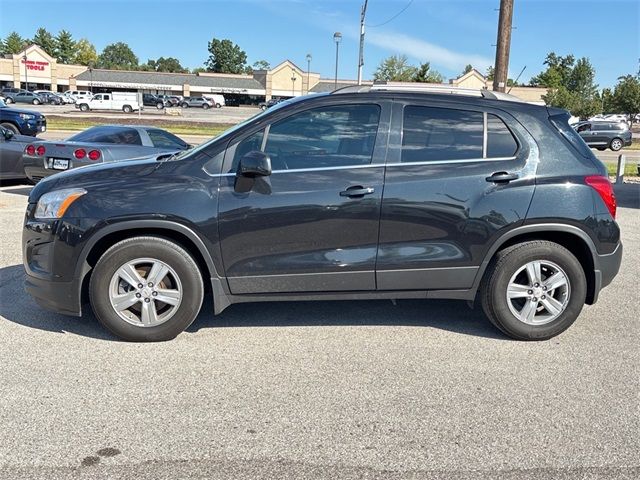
column 162, row 139
column 500, row 141
column 108, row 135
column 433, row 134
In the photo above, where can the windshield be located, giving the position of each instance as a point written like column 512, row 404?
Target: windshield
column 203, row 147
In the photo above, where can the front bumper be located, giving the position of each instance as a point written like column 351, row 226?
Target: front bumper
column 34, row 126
column 60, row 297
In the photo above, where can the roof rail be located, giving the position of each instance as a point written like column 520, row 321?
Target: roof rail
column 426, row 88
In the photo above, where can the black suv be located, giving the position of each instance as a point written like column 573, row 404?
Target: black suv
column 364, row 193
column 602, row 135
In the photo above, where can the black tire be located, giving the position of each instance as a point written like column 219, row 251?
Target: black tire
column 8, row 100
column 159, row 105
column 127, row 109
column 10, row 126
column 36, row 101
column 84, row 107
column 218, row 105
column 185, row 105
column 263, row 107
column 616, row 144
column 160, row 249
column 205, row 106
column 506, row 263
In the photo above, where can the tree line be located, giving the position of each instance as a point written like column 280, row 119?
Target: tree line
column 224, row 55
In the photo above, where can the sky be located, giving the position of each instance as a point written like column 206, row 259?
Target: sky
column 447, row 33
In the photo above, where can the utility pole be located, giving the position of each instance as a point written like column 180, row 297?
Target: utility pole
column 363, row 12
column 503, row 45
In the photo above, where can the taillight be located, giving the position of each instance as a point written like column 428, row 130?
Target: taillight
column 94, row 155
column 80, row 153
column 40, row 150
column 603, row 186
column 30, row 150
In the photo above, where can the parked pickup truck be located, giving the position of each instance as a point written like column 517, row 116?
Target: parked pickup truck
column 125, row 101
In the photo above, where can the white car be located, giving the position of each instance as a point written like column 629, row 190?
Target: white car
column 124, row 101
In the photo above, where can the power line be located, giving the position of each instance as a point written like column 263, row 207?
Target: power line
column 392, row 18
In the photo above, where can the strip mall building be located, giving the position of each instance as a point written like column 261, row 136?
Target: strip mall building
column 35, row 68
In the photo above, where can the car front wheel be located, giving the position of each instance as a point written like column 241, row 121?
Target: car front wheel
column 8, row 100
column 146, row 289
column 534, row 290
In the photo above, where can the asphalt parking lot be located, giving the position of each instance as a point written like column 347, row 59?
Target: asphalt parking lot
column 423, row 389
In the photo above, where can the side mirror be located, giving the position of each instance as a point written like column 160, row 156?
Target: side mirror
column 255, row 164
column 7, row 134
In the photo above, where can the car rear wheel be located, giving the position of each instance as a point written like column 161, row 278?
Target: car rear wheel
column 10, row 126
column 533, row 290
column 146, row 289
column 205, row 106
column 8, row 100
column 84, row 107
column 185, row 105
column 616, row 144
column 127, row 109
column 159, row 105
column 36, row 101
column 218, row 105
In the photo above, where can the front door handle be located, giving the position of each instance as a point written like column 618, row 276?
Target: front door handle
column 357, row 191
column 502, row 177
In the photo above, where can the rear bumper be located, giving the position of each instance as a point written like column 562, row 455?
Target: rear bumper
column 34, row 168
column 606, row 268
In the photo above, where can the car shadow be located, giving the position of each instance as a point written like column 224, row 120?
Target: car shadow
column 627, row 195
column 17, row 187
column 18, row 307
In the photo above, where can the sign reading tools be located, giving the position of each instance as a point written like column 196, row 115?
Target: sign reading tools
column 35, row 65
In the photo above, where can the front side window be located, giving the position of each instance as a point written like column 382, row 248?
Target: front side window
column 435, row 134
column 324, row 137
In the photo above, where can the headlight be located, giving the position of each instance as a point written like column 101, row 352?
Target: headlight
column 27, row 116
column 54, row 204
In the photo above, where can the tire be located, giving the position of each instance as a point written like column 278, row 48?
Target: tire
column 127, row 109
column 159, row 105
column 8, row 100
column 84, row 107
column 508, row 268
column 218, row 105
column 616, row 144
column 263, row 107
column 182, row 283
column 10, row 126
column 185, row 105
column 36, row 102
column 205, row 106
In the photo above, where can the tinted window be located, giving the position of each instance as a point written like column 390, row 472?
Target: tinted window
column 584, row 128
column 500, row 141
column 162, row 139
column 108, row 135
column 432, row 134
column 324, row 137
column 251, row 143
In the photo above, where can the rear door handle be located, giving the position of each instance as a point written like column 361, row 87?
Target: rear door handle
column 502, row 177
column 357, row 191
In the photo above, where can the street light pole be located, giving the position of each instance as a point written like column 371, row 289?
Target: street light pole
column 26, row 77
column 363, row 12
column 337, row 37
column 293, row 84
column 91, row 78
column 308, row 70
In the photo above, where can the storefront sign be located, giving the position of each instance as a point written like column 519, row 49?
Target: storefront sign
column 35, row 65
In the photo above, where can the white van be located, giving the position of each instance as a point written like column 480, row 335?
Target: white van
column 78, row 94
column 215, row 99
column 125, row 101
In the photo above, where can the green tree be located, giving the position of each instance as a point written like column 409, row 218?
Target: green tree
column 162, row 64
column 85, row 53
column 571, row 85
column 12, row 44
column 626, row 95
column 261, row 65
column 65, row 47
column 424, row 74
column 490, row 73
column 117, row 56
column 467, row 69
column 225, row 57
column 197, row 70
column 395, row 68
column 46, row 41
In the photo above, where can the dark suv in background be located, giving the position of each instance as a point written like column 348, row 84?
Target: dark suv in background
column 24, row 122
column 603, row 135
column 364, row 193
